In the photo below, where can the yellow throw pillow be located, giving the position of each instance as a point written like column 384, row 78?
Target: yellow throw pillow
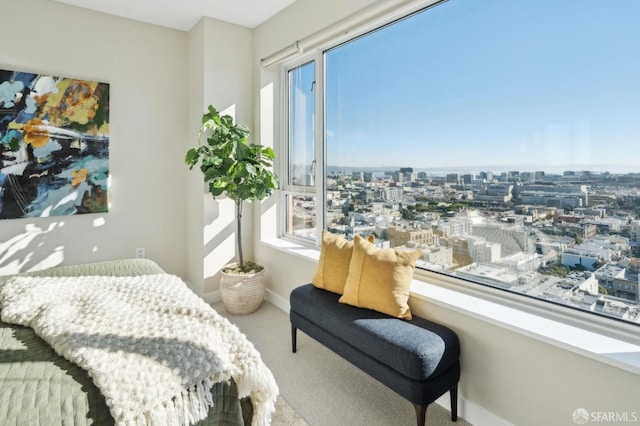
column 380, row 279
column 333, row 266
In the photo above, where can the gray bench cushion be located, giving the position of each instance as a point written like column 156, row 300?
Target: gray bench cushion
column 418, row 349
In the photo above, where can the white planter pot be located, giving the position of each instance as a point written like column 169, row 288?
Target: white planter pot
column 242, row 294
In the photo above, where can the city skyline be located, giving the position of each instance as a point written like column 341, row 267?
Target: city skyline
column 559, row 170
column 557, row 239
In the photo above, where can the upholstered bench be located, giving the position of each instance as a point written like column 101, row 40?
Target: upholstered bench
column 416, row 358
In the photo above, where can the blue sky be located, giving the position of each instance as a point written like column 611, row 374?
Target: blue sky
column 510, row 84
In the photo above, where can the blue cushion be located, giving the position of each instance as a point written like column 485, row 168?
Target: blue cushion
column 418, row 349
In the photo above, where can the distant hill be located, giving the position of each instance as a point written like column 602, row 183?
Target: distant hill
column 555, row 169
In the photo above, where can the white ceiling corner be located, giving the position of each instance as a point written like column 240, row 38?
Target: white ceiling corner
column 184, row 14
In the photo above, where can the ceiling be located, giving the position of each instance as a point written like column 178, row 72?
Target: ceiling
column 184, row 14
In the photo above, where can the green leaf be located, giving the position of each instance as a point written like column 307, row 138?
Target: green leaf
column 211, row 174
column 191, row 158
column 268, row 152
column 239, row 170
column 215, row 191
column 208, row 123
column 261, row 193
column 226, row 121
column 219, row 183
column 242, row 152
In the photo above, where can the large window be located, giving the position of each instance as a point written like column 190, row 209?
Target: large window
column 500, row 138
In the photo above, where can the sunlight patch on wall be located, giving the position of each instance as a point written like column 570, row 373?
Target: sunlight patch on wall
column 266, row 115
column 268, row 208
column 19, row 250
column 109, row 189
column 231, row 110
column 54, row 259
column 220, row 214
column 217, row 258
column 268, row 221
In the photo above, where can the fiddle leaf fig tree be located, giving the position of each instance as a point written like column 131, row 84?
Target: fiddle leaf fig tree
column 233, row 167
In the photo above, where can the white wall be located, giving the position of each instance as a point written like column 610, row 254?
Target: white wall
column 161, row 81
column 221, row 72
column 146, row 67
column 519, row 379
column 195, row 186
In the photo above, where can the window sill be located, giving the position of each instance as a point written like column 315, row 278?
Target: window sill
column 594, row 345
column 598, row 346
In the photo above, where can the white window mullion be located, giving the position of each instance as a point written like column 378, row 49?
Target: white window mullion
column 321, row 169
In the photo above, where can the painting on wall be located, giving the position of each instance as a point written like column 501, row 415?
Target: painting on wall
column 54, row 145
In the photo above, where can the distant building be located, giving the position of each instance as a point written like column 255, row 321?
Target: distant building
column 527, row 177
column 402, row 235
column 494, row 193
column 609, row 224
column 521, row 262
column 392, row 193
column 483, row 251
column 455, row 227
column 512, row 239
column 486, row 176
column 572, row 258
column 560, row 196
column 591, row 211
column 491, row 274
column 635, row 231
column 453, row 178
column 583, row 230
column 442, row 256
column 619, row 281
column 398, row 177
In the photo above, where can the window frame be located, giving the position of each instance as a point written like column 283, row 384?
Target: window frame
column 288, row 189
column 590, row 321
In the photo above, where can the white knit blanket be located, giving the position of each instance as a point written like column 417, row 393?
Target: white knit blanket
column 151, row 345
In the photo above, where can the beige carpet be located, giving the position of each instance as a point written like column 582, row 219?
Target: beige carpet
column 318, row 387
column 285, row 415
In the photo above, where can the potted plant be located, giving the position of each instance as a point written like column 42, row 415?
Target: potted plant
column 233, row 167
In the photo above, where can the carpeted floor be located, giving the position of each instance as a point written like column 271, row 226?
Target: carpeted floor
column 321, row 387
column 285, row 415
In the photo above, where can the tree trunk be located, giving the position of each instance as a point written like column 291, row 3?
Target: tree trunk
column 239, row 233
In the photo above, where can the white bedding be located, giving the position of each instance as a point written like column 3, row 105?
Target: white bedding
column 151, row 345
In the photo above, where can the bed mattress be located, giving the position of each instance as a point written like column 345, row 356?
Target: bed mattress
column 38, row 387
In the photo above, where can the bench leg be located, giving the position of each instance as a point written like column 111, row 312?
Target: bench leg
column 421, row 414
column 293, row 338
column 453, row 392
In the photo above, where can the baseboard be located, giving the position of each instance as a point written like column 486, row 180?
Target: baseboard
column 277, row 301
column 271, row 297
column 471, row 412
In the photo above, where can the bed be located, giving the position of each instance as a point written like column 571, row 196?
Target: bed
column 40, row 387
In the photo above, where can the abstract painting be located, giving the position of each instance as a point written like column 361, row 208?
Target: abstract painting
column 54, row 145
